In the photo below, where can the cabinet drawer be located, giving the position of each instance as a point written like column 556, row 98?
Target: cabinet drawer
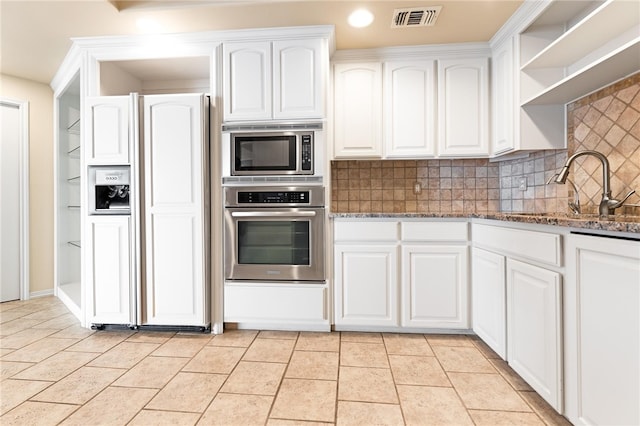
column 537, row 246
column 434, row 231
column 282, row 302
column 366, row 231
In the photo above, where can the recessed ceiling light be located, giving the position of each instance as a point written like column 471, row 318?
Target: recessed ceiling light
column 360, row 18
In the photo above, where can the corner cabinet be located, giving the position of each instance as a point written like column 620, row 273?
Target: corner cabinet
column 274, row 80
column 527, row 280
column 602, row 331
column 463, row 107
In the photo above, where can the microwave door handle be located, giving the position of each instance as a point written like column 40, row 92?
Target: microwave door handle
column 273, row 214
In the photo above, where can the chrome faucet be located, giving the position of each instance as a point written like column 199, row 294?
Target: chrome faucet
column 607, row 204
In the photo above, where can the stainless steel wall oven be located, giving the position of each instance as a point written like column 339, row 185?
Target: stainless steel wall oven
column 274, row 233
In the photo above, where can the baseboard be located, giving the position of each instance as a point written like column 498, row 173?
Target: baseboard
column 41, row 293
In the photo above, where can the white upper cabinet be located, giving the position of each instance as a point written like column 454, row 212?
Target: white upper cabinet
column 503, row 101
column 273, row 80
column 298, row 79
column 247, row 81
column 358, row 110
column 463, row 107
column 409, row 116
column 107, row 130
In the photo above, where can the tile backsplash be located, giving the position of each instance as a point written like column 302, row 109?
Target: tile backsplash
column 607, row 121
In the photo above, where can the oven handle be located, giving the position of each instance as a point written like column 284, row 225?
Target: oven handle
column 274, row 214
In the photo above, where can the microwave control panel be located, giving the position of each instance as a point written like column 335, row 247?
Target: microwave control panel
column 306, row 152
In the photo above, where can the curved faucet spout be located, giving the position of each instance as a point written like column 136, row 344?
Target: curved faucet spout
column 606, row 189
column 607, row 204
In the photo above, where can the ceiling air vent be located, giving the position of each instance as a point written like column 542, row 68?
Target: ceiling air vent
column 415, row 17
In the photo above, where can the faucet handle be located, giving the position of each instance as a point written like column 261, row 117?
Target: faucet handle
column 615, row 203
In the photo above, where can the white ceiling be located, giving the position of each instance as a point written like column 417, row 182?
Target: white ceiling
column 35, row 35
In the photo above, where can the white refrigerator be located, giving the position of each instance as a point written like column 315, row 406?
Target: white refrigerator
column 149, row 268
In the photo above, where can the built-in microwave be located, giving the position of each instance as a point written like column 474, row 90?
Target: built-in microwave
column 272, row 153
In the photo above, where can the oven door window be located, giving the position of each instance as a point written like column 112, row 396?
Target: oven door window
column 266, row 153
column 269, row 242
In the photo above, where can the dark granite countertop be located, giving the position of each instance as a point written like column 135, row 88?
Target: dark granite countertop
column 615, row 223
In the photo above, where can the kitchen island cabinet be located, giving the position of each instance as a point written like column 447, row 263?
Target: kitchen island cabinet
column 602, row 331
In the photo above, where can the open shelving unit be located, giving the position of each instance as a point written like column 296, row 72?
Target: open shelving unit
column 574, row 49
column 567, row 51
column 68, row 198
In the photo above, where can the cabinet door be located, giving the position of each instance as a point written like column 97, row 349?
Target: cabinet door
column 409, row 93
column 358, row 110
column 488, row 296
column 366, row 285
column 107, row 130
column 463, row 107
column 435, row 286
column 602, row 333
column 297, row 82
column 247, row 81
column 109, row 292
column 503, row 101
column 174, row 219
column 534, row 328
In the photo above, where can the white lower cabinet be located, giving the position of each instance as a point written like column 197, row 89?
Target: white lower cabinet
column 434, row 286
column 534, row 328
column 602, row 331
column 488, row 284
column 109, row 270
column 517, row 271
column 366, row 284
column 409, row 274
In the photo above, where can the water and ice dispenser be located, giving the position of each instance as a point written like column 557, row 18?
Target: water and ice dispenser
column 109, row 190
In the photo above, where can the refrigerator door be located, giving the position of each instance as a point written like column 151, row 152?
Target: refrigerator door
column 174, row 231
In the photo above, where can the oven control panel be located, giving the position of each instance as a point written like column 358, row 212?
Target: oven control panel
column 261, row 197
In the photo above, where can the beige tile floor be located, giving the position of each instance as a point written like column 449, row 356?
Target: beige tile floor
column 55, row 372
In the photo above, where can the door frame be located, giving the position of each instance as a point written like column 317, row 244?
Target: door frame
column 23, row 108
